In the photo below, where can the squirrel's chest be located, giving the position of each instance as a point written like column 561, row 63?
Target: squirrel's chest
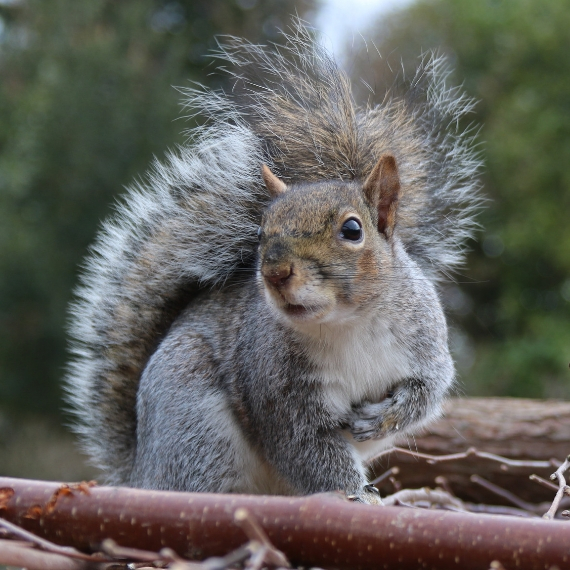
column 360, row 364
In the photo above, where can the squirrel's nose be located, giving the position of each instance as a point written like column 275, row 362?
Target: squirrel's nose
column 277, row 276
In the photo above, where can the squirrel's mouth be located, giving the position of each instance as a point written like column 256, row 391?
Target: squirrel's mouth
column 296, row 310
column 302, row 313
column 299, row 313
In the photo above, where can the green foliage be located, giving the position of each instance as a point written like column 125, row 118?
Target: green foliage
column 512, row 55
column 86, row 99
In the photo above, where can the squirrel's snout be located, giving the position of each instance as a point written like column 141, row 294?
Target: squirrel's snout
column 277, row 276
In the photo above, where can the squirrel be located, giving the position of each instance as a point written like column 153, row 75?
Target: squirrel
column 261, row 314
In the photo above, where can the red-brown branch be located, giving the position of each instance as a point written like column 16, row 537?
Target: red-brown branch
column 321, row 530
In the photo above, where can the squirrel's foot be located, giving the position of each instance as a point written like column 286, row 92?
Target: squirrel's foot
column 372, row 421
column 368, row 495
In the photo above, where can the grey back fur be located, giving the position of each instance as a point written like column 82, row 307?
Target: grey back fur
column 192, row 222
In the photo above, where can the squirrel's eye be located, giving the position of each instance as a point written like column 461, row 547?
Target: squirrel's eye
column 259, row 233
column 351, row 229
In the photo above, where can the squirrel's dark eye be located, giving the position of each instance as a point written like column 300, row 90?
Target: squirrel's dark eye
column 259, row 233
column 351, row 229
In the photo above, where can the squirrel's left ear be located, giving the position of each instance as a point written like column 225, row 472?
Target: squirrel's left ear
column 382, row 189
column 275, row 185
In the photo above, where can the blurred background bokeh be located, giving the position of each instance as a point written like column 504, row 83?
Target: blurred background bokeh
column 87, row 99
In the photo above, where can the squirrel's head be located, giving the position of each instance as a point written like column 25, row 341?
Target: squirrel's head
column 326, row 248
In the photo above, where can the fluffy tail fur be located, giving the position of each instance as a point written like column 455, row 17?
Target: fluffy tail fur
column 192, row 223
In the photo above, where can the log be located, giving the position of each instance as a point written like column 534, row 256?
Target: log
column 534, row 430
column 513, row 427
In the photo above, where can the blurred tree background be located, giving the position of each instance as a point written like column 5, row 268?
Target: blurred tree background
column 87, row 98
column 512, row 306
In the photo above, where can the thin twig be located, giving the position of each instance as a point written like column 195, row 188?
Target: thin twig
column 24, row 554
column 498, row 510
column 390, row 473
column 507, row 495
column 258, row 555
column 562, row 488
column 47, row 545
column 442, row 482
column 395, row 483
column 471, row 452
column 430, row 496
column 543, row 482
column 236, row 557
column 220, row 563
column 255, row 533
column 110, row 547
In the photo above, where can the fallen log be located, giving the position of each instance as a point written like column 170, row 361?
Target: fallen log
column 512, row 427
column 320, row 530
column 529, row 430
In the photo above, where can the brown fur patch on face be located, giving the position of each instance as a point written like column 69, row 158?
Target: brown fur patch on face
column 368, row 270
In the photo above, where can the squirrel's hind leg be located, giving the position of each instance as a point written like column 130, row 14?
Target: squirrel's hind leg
column 186, row 439
column 187, row 436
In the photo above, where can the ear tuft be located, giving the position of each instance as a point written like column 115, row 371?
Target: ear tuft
column 382, row 189
column 274, row 185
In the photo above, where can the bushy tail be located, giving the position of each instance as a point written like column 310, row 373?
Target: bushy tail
column 192, row 223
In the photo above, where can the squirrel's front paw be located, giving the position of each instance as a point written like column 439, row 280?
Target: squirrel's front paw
column 369, row 421
column 368, row 495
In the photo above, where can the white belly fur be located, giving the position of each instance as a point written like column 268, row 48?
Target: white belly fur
column 360, row 363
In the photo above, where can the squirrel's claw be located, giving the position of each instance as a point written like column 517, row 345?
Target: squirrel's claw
column 367, row 420
column 368, row 495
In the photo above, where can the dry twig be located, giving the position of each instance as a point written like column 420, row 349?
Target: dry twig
column 112, row 549
column 24, row 555
column 543, row 482
column 430, row 497
column 562, row 488
column 442, row 482
column 47, row 545
column 265, row 552
column 471, row 452
column 499, row 510
column 507, row 495
column 386, row 475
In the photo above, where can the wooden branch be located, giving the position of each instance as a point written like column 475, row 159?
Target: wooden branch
column 321, row 530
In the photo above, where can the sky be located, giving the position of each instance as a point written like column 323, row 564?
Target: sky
column 342, row 20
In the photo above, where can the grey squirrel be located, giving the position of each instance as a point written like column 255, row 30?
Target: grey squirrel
column 261, row 314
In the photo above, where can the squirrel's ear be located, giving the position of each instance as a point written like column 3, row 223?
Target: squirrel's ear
column 382, row 188
column 275, row 186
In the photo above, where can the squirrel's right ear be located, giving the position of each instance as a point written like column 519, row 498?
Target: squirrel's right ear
column 382, row 189
column 275, row 185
